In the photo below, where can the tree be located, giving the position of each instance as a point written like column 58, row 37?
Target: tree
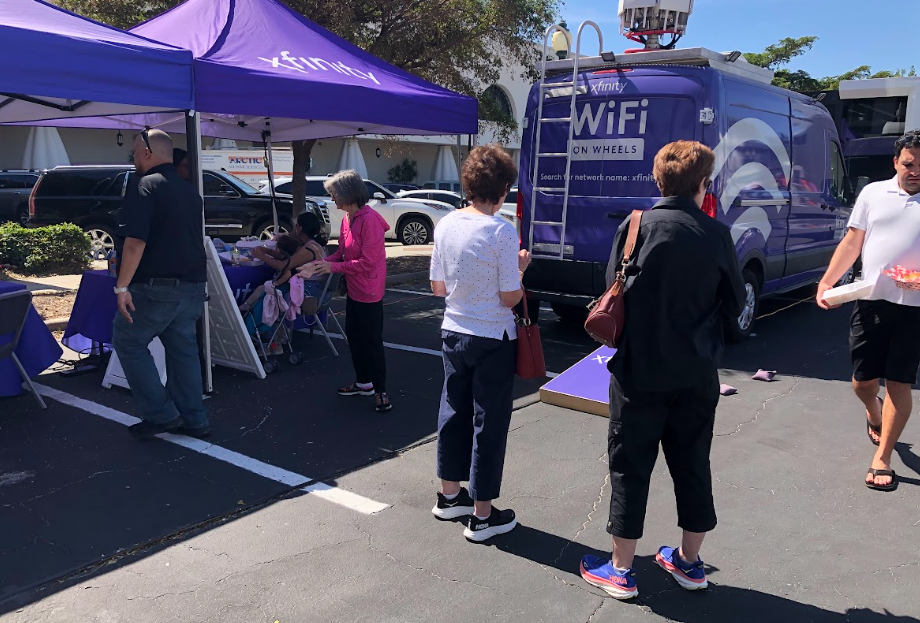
column 780, row 54
column 459, row 44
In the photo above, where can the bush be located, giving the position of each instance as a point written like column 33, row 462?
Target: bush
column 56, row 248
column 404, row 172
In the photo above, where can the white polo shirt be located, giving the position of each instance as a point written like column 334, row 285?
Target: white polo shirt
column 891, row 219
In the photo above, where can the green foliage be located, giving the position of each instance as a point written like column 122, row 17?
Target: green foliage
column 53, row 249
column 403, row 173
column 780, row 54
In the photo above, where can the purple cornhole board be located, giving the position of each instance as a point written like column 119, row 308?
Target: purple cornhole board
column 583, row 387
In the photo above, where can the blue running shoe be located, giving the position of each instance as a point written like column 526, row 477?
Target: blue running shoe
column 690, row 576
column 601, row 573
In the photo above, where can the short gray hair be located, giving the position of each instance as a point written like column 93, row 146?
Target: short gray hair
column 348, row 187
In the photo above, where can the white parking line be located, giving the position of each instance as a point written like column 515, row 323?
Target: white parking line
column 416, row 349
column 329, row 493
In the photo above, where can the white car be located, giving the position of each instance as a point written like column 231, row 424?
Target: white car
column 509, row 209
column 444, row 196
column 411, row 221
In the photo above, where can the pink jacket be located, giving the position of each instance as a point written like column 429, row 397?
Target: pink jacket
column 362, row 256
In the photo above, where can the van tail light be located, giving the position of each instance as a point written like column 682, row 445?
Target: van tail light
column 32, row 197
column 710, row 205
column 519, row 213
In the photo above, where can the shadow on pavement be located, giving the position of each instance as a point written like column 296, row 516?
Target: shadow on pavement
column 730, row 604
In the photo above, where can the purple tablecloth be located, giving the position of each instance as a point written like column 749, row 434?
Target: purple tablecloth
column 93, row 311
column 37, row 349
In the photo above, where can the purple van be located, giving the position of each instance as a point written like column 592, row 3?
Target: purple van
column 780, row 181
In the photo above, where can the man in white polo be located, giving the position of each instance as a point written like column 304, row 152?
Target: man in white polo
column 885, row 328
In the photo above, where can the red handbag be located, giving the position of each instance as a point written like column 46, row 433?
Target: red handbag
column 608, row 313
column 530, row 362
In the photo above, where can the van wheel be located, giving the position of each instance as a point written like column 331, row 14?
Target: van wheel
column 572, row 314
column 414, row 230
column 102, row 240
column 22, row 214
column 739, row 328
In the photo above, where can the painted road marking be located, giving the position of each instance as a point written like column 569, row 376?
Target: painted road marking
column 416, row 349
column 329, row 493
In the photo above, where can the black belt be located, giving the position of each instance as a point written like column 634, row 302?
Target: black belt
column 164, row 283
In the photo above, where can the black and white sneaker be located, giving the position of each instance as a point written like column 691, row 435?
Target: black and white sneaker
column 499, row 522
column 460, row 506
column 356, row 390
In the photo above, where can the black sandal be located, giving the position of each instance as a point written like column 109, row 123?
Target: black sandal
column 883, row 472
column 872, row 428
column 382, row 403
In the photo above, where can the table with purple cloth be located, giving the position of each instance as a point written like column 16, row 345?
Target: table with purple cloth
column 94, row 309
column 90, row 324
column 37, row 348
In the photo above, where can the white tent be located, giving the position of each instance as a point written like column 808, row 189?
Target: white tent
column 352, row 158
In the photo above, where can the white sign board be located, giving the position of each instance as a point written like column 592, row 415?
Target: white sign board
column 231, row 345
column 115, row 374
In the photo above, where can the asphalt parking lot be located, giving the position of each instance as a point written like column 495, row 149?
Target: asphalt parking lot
column 305, row 506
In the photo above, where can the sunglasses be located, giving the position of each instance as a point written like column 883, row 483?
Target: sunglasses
column 146, row 138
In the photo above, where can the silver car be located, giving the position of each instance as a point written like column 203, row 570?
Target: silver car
column 411, row 221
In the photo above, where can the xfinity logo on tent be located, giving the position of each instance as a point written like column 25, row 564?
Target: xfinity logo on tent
column 312, row 63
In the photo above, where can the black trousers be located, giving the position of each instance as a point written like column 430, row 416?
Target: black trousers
column 364, row 330
column 475, row 412
column 682, row 422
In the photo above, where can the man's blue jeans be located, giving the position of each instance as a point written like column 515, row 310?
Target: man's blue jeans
column 170, row 313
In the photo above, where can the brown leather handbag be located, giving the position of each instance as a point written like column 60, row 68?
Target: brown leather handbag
column 607, row 314
column 530, row 362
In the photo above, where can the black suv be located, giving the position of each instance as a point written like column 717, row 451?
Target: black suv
column 90, row 197
column 15, row 188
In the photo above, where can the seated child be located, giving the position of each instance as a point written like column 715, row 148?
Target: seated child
column 284, row 250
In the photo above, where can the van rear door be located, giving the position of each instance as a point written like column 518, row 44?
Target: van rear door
column 621, row 122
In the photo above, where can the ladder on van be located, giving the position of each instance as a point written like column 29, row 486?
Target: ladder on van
column 549, row 251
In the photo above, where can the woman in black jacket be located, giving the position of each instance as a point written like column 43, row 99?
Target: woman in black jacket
column 682, row 282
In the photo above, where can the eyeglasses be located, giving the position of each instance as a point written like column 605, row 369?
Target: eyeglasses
column 708, row 184
column 332, row 196
column 146, row 138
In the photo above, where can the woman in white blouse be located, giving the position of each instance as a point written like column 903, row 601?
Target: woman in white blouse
column 477, row 264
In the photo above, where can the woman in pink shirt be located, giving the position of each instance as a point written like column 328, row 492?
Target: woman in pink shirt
column 361, row 258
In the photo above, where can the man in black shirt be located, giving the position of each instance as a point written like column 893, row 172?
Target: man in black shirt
column 682, row 282
column 161, row 291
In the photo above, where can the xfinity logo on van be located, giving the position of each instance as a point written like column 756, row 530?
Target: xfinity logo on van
column 606, row 86
column 612, row 120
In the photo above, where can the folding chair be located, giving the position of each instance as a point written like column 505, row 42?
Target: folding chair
column 325, row 305
column 14, row 309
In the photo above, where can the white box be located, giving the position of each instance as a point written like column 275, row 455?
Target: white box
column 850, row 292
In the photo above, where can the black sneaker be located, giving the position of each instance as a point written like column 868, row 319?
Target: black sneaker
column 198, row 433
column 354, row 390
column 460, row 506
column 499, row 522
column 149, row 430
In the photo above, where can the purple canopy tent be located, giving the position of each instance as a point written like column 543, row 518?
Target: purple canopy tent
column 258, row 61
column 57, row 65
column 265, row 73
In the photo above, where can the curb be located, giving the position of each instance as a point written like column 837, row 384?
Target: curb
column 57, row 324
column 394, row 280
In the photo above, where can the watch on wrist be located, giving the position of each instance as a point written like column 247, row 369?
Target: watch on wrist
column 120, row 290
